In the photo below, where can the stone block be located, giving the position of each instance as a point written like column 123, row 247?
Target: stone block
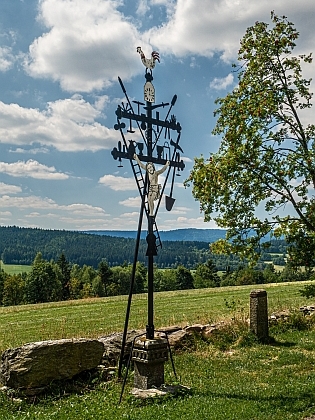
column 36, row 365
column 149, row 357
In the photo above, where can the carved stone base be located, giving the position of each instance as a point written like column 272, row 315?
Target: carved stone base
column 149, row 357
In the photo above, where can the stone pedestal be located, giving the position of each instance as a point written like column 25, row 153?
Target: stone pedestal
column 149, row 357
column 259, row 314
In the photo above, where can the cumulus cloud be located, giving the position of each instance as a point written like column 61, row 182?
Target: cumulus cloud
column 118, row 183
column 34, row 211
column 40, row 204
column 86, row 42
column 208, row 27
column 9, row 189
column 67, row 124
column 219, row 83
column 131, row 202
column 31, row 169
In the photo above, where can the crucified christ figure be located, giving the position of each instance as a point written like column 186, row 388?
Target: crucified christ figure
column 154, row 186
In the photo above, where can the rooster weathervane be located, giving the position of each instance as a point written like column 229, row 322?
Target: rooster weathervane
column 149, row 63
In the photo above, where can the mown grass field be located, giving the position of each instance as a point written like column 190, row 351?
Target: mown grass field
column 99, row 316
column 275, row 381
column 15, row 268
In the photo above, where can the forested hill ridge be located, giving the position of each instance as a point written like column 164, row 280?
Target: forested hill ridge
column 20, row 246
column 189, row 234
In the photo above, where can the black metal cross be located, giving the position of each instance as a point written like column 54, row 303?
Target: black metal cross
column 151, row 129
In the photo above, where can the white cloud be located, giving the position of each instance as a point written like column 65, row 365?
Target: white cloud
column 118, row 183
column 131, row 202
column 31, row 169
column 134, row 215
column 73, row 216
column 143, row 7
column 219, row 83
column 185, row 222
column 9, row 189
column 67, row 125
column 85, row 45
column 33, row 151
column 208, row 27
column 47, row 204
column 6, row 59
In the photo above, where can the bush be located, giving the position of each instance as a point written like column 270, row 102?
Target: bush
column 295, row 321
column 308, row 291
column 233, row 334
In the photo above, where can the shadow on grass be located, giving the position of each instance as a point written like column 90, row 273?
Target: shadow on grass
column 276, row 343
column 288, row 403
column 271, row 341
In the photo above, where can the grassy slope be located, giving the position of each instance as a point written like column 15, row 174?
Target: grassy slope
column 262, row 382
column 95, row 317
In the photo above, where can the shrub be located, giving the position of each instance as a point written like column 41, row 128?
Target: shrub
column 308, row 291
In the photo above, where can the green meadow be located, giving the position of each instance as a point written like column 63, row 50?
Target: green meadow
column 245, row 380
column 15, row 268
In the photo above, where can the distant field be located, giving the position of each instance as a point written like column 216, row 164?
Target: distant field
column 100, row 316
column 15, row 268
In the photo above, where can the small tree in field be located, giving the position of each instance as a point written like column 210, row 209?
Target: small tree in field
column 267, row 154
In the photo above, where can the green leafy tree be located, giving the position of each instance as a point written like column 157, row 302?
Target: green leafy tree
column 267, row 155
column 270, row 274
column 98, row 287
column 184, row 278
column 14, row 289
column 206, row 275
column 65, row 271
column 166, row 280
column 42, row 283
column 105, row 274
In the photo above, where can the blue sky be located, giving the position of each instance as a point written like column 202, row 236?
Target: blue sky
column 59, row 63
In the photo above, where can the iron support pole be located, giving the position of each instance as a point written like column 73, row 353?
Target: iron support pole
column 150, row 325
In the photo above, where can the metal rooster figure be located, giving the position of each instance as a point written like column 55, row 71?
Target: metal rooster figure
column 149, row 63
column 151, row 128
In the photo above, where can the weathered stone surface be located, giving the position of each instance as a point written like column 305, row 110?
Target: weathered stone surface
column 149, row 357
column 112, row 346
column 178, row 338
column 197, row 328
column 259, row 314
column 161, row 391
column 35, row 365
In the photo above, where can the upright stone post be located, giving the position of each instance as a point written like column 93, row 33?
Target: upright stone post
column 259, row 314
column 149, row 357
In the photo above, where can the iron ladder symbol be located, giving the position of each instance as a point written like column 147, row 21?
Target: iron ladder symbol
column 141, row 184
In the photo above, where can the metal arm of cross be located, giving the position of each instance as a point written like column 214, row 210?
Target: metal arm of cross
column 118, row 153
column 172, row 124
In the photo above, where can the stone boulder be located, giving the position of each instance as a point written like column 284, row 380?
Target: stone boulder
column 112, row 346
column 36, row 365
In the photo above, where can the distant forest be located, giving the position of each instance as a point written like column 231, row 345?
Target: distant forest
column 21, row 245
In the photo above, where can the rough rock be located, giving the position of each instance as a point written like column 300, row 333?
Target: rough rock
column 197, row 328
column 112, row 346
column 178, row 338
column 162, row 391
column 36, row 365
column 308, row 310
